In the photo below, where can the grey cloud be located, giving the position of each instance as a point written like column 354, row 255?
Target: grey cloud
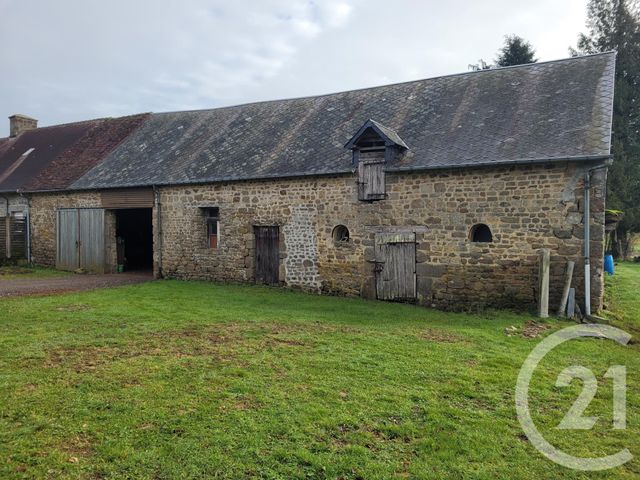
column 78, row 59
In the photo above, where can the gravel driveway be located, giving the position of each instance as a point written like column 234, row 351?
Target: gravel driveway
column 68, row 283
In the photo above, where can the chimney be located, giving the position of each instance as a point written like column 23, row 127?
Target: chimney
column 21, row 123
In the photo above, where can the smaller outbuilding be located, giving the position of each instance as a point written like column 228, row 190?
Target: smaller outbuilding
column 47, row 159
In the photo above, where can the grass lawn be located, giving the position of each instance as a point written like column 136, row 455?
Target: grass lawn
column 176, row 379
column 623, row 297
column 11, row 272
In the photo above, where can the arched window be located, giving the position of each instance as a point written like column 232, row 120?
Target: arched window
column 480, row 233
column 340, row 234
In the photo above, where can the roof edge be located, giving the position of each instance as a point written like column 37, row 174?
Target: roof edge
column 81, row 122
column 506, row 163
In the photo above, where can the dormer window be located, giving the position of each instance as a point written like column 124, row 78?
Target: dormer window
column 373, row 147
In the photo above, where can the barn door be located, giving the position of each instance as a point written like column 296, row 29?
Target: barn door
column 91, row 239
column 67, row 240
column 267, row 255
column 80, row 239
column 395, row 266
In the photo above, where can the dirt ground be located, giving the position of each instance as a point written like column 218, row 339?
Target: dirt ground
column 69, row 283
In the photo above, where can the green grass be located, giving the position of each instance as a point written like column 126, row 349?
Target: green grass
column 622, row 297
column 11, row 272
column 194, row 380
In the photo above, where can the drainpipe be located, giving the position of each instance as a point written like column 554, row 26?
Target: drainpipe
column 587, row 236
column 158, row 206
column 587, row 241
column 28, row 227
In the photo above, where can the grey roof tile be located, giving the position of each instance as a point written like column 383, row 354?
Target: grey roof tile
column 557, row 110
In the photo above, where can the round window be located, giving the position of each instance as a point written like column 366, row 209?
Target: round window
column 340, row 234
column 480, row 233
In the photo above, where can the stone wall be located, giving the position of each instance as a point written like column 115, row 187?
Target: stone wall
column 526, row 207
column 43, row 225
column 14, row 202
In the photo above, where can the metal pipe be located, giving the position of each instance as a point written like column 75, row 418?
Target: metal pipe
column 158, row 205
column 28, row 226
column 587, row 241
column 587, row 235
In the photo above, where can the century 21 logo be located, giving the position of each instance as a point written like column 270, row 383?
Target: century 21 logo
column 574, row 418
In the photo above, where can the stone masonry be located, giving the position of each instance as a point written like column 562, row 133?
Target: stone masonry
column 12, row 203
column 526, row 207
column 43, row 225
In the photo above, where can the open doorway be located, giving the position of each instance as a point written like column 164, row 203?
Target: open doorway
column 134, row 235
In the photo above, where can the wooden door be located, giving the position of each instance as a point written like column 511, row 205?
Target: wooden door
column 395, row 267
column 80, row 239
column 267, row 255
column 67, row 257
column 91, row 239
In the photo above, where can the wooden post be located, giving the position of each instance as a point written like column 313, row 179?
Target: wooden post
column 543, row 283
column 8, row 235
column 571, row 303
column 565, row 291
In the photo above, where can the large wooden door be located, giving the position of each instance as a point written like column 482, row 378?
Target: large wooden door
column 267, row 254
column 67, row 257
column 91, row 237
column 395, row 266
column 80, row 239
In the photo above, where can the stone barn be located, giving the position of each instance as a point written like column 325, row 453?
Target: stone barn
column 47, row 159
column 439, row 191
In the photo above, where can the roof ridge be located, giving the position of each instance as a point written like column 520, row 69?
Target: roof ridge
column 407, row 82
column 81, row 122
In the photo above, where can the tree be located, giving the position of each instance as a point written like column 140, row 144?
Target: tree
column 481, row 65
column 516, row 51
column 615, row 25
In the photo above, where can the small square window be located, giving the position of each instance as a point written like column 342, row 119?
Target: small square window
column 212, row 218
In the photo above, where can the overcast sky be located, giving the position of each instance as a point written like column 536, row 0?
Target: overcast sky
column 69, row 60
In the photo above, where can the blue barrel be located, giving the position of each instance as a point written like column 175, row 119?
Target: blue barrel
column 608, row 264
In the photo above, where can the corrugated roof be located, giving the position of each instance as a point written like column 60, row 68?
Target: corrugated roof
column 51, row 158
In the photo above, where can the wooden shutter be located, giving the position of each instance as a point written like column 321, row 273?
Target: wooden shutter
column 371, row 181
column 18, row 227
column 4, row 222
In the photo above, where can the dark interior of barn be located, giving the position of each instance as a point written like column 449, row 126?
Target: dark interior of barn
column 134, row 234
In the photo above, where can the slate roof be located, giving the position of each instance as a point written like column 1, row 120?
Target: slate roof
column 546, row 111
column 388, row 134
column 25, row 156
column 51, row 158
column 84, row 154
